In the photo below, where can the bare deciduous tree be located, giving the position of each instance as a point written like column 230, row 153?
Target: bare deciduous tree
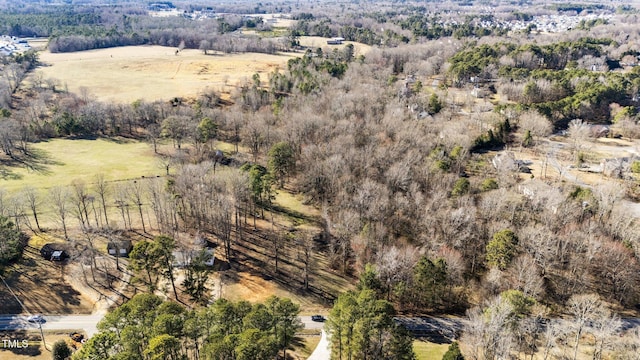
column 578, row 133
column 79, row 200
column 607, row 194
column 585, row 309
column 524, row 275
column 59, row 200
column 488, row 333
column 33, row 201
column 538, row 125
column 102, row 189
column 305, row 243
column 135, row 192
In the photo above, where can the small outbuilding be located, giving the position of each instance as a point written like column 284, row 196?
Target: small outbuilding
column 183, row 258
column 54, row 252
column 119, row 248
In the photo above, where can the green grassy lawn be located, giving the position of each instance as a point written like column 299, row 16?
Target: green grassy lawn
column 292, row 207
column 60, row 161
column 429, row 351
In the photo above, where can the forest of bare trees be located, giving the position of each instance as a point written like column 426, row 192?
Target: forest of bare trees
column 395, row 149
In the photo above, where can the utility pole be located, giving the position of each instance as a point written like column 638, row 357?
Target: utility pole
column 42, row 334
column 22, row 305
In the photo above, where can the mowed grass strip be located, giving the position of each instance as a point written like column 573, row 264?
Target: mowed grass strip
column 58, row 162
column 429, row 351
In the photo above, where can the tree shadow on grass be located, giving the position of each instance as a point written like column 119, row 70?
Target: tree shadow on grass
column 38, row 160
column 41, row 289
column 298, row 341
column 119, row 140
column 7, row 174
column 9, row 303
column 35, row 160
column 69, row 295
column 296, row 216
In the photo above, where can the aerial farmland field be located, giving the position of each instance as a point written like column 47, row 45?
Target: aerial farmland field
column 125, row 74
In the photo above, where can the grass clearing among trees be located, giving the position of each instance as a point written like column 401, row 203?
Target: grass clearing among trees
column 60, row 161
column 429, row 351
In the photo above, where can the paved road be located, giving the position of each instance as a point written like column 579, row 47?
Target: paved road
column 53, row 322
column 87, row 323
column 310, row 324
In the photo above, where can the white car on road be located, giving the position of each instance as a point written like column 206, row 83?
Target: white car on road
column 37, row 318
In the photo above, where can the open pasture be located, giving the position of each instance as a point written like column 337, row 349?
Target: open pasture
column 125, row 74
column 60, row 161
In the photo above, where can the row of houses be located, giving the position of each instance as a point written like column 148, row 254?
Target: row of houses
column 122, row 248
column 12, row 44
column 61, row 251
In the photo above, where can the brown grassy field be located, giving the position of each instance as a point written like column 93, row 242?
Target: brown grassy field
column 125, row 74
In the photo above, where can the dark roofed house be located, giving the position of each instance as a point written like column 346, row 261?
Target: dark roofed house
column 54, row 252
column 120, row 248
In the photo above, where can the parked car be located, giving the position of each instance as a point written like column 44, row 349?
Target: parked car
column 319, row 318
column 37, row 318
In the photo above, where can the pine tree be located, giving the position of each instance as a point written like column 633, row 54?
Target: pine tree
column 453, row 353
column 60, row 350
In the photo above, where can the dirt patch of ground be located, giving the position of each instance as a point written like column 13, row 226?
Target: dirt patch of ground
column 125, row 74
column 238, row 286
column 42, row 288
column 47, row 287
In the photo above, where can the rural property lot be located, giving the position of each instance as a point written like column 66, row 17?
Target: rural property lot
column 125, row 74
column 40, row 286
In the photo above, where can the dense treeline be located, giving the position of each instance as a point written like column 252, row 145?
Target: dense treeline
column 563, row 81
column 227, row 43
column 77, row 28
column 417, row 25
column 13, row 70
column 362, row 327
column 383, row 175
column 433, row 28
column 43, row 21
column 146, row 327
